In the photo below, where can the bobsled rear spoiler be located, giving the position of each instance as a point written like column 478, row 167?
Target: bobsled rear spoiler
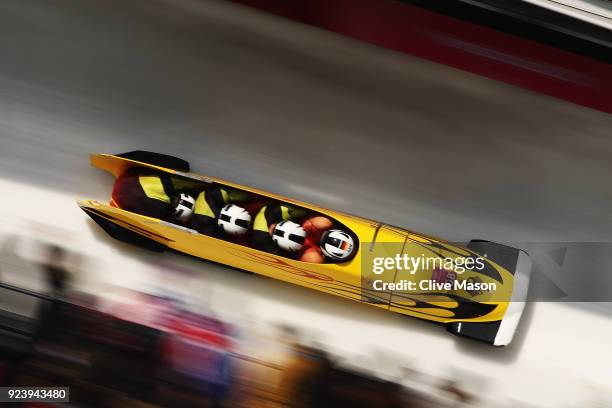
column 116, row 164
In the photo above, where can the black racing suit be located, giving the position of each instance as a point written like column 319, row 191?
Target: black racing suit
column 208, row 206
column 268, row 215
column 148, row 192
column 143, row 191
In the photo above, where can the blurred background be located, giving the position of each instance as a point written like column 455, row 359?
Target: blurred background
column 465, row 120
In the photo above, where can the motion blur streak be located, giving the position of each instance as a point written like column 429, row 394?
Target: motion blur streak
column 398, row 139
column 467, row 43
column 311, row 115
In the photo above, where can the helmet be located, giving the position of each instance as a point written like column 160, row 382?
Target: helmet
column 234, row 220
column 337, row 244
column 289, row 236
column 182, row 207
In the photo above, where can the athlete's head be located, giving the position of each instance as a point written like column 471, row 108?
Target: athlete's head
column 182, row 207
column 234, row 220
column 337, row 244
column 289, row 236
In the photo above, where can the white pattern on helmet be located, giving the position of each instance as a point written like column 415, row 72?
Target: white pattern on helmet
column 183, row 208
column 234, row 220
column 289, row 236
column 337, row 244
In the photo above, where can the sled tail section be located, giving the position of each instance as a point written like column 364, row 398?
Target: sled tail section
column 119, row 232
column 117, row 164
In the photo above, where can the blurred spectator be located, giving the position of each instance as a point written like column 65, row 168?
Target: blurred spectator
column 56, row 273
column 305, row 379
column 452, row 390
column 57, row 280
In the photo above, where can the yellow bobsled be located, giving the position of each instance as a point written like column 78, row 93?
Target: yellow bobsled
column 483, row 302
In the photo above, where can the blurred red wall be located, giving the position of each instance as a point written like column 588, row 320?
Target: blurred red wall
column 457, row 43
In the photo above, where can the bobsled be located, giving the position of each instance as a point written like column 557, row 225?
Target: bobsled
column 483, row 302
